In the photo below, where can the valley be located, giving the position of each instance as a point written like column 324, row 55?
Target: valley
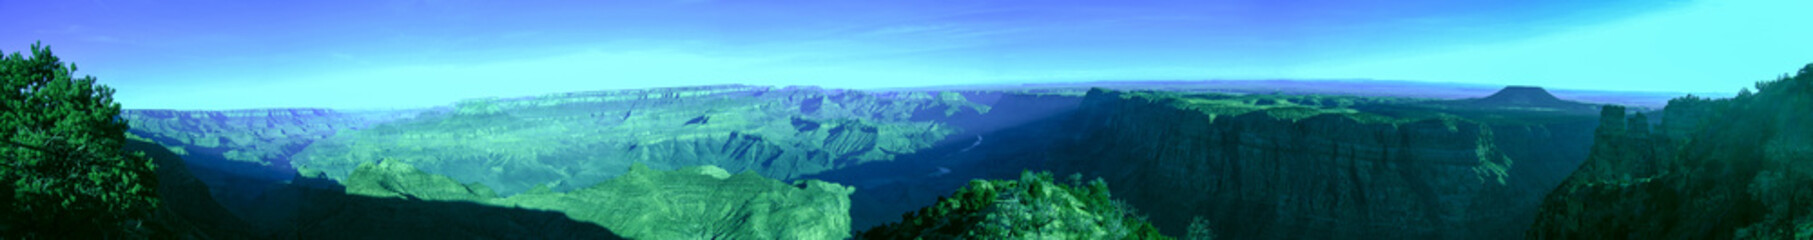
column 1277, row 162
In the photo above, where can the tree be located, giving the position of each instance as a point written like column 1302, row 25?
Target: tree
column 1200, row 230
column 63, row 170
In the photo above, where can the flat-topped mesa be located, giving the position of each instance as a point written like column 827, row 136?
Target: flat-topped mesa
column 1523, row 95
column 1524, row 98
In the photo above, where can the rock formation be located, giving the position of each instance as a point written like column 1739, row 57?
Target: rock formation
column 1733, row 168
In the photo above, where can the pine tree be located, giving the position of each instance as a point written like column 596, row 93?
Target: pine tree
column 63, row 170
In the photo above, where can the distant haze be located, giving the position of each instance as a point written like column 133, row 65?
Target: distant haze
column 415, row 53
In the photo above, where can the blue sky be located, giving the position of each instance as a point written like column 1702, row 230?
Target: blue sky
column 411, row 53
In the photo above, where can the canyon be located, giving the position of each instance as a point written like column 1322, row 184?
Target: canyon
column 1264, row 163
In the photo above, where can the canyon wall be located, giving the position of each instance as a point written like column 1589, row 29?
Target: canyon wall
column 1301, row 168
column 1736, row 168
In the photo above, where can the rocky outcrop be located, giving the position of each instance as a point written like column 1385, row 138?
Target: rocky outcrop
column 1293, row 168
column 1713, row 169
column 702, row 202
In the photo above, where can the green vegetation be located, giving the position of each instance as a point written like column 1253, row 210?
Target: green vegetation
column 702, row 202
column 63, row 172
column 1715, row 169
column 1200, row 229
column 1034, row 207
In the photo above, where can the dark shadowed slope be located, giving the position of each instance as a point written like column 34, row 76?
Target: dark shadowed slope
column 188, row 211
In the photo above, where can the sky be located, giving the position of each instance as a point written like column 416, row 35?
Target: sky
column 375, row 54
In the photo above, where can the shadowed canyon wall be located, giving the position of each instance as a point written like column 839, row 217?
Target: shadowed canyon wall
column 1271, row 173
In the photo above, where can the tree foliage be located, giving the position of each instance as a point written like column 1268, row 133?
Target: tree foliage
column 1034, row 207
column 63, row 170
